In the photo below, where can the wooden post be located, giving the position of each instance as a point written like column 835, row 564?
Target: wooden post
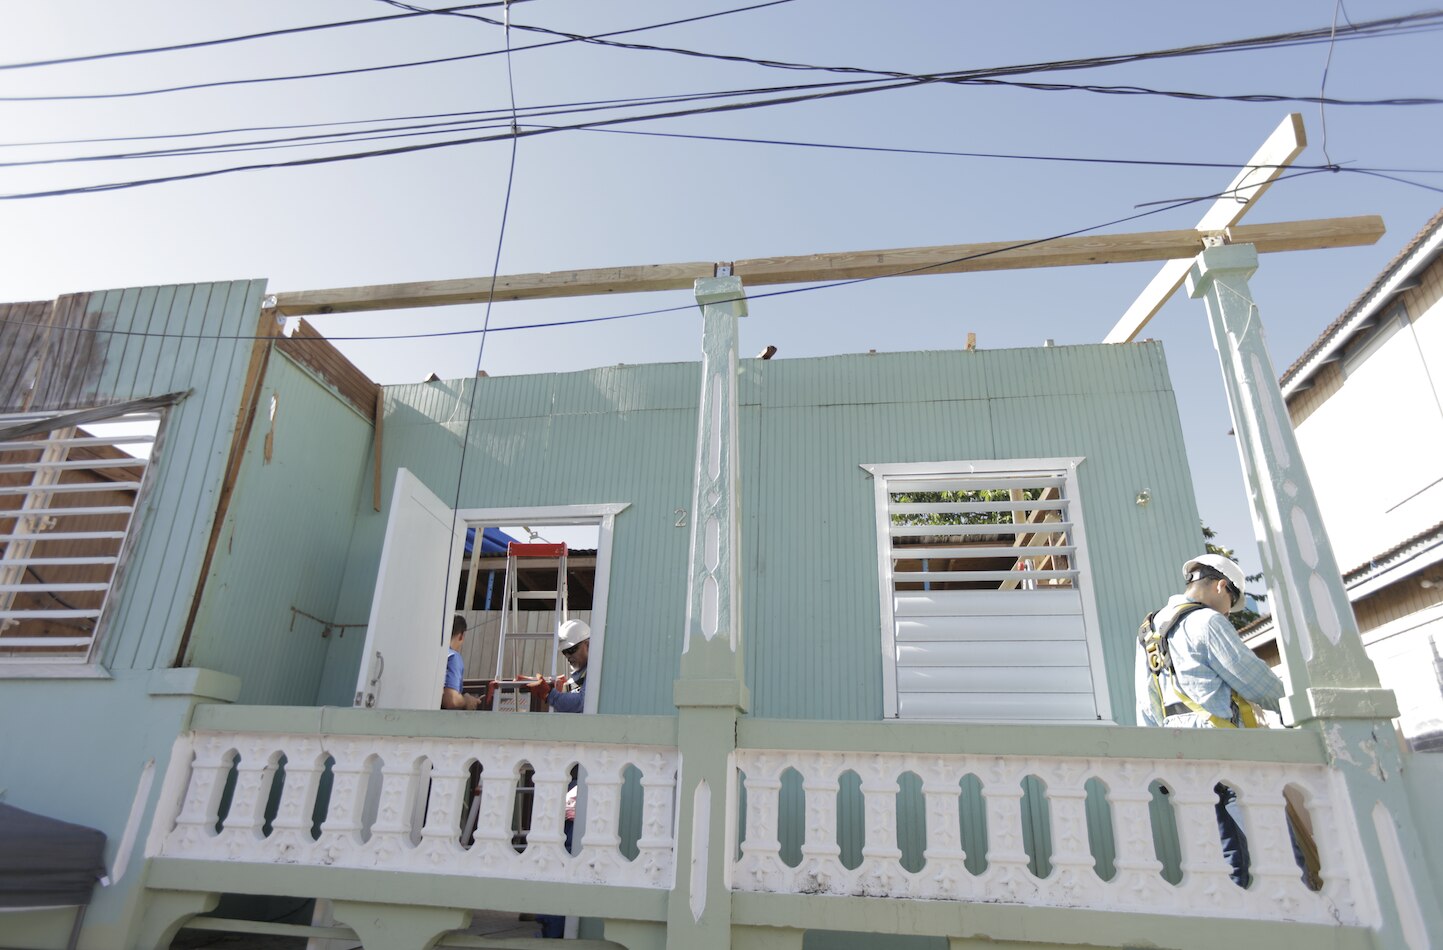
column 1333, row 684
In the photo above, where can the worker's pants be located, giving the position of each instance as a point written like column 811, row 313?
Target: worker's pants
column 1230, row 830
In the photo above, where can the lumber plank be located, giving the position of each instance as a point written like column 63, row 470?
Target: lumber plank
column 848, row 265
column 1270, row 161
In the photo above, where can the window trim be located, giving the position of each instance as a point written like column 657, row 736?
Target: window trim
column 604, row 517
column 1067, row 466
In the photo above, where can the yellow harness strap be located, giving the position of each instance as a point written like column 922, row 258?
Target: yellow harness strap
column 1157, row 661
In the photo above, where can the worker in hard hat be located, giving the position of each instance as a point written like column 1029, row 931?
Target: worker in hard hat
column 568, row 694
column 573, row 639
column 1194, row 672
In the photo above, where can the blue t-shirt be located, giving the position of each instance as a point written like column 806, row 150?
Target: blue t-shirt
column 455, row 666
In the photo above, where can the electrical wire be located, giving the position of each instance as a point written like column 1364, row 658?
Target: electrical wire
column 1014, row 156
column 201, row 44
column 360, row 70
column 1419, row 22
column 446, row 595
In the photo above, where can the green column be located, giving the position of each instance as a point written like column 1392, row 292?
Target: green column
column 1333, row 684
column 710, row 692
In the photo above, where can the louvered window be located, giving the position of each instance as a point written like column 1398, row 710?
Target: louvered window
column 987, row 607
column 67, row 500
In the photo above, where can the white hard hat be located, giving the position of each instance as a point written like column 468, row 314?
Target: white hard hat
column 572, row 632
column 1227, row 567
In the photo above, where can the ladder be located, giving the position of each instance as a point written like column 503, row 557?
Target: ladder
column 510, row 692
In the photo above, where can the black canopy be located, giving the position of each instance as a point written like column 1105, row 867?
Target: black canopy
column 45, row 862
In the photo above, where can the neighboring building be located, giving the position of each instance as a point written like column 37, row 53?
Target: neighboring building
column 861, row 661
column 1365, row 400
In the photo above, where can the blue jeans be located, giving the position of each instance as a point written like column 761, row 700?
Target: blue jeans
column 553, row 926
column 1230, row 830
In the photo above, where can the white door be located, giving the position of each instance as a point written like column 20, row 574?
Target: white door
column 407, row 637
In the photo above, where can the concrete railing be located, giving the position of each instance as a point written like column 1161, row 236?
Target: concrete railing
column 1082, row 783
column 332, row 788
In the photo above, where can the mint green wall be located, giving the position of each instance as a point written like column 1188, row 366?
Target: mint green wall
column 74, row 747
column 284, row 539
column 616, row 434
column 813, row 640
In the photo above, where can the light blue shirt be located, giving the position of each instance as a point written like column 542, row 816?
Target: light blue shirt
column 1211, row 662
column 455, row 668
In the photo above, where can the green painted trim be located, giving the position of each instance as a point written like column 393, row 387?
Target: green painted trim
column 1115, row 742
column 1357, row 703
column 238, row 926
column 732, row 694
column 406, row 888
column 437, row 724
column 194, row 681
column 1040, row 924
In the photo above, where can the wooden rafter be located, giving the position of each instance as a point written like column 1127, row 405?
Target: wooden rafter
column 850, row 265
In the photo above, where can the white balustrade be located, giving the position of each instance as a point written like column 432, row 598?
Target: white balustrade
column 416, row 794
column 1277, row 891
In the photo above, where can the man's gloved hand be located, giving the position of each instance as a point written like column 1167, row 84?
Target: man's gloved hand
column 539, row 687
column 560, row 683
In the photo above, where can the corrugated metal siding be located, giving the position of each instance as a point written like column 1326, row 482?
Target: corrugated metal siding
column 284, row 542
column 120, row 356
column 617, row 434
column 627, row 434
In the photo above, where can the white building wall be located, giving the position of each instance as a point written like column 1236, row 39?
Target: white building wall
column 1374, row 444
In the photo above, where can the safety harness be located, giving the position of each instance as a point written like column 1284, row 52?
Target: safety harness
column 1155, row 646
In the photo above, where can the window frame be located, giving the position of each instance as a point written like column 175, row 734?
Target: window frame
column 90, row 665
column 1067, row 468
column 601, row 515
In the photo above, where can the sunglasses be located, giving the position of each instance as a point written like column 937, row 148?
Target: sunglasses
column 570, row 651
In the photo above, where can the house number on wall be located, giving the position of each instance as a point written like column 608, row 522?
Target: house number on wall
column 681, row 518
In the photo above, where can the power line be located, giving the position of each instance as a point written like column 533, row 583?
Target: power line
column 569, row 38
column 201, row 44
column 1418, row 22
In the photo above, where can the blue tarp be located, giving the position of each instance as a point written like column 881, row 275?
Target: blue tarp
column 493, row 540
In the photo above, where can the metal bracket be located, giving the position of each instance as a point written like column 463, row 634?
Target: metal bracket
column 723, row 269
column 1218, row 238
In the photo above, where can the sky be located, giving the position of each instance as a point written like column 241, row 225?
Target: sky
column 590, row 198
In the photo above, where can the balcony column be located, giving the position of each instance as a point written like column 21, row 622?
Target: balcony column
column 1333, row 685
column 710, row 692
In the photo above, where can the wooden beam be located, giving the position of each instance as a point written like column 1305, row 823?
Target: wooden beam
column 1271, row 159
column 812, row 268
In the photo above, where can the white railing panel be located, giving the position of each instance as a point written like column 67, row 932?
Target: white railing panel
column 402, row 803
column 1136, row 884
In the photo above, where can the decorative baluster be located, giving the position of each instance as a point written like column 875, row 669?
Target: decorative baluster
column 491, row 848
column 195, row 825
column 881, row 873
column 821, row 870
column 945, row 876
column 1277, row 883
column 545, row 842
column 1074, row 881
column 1206, row 887
column 1138, row 883
column 340, row 841
column 440, row 836
column 760, row 867
column 290, row 839
column 657, row 847
column 242, row 837
column 1344, row 888
column 390, row 845
column 599, row 846
column 1007, row 877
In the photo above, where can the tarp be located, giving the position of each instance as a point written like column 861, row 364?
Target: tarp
column 45, row 862
column 493, row 540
